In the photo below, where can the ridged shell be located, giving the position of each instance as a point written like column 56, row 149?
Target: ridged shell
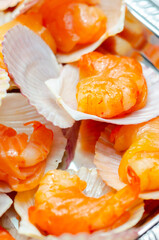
column 30, row 64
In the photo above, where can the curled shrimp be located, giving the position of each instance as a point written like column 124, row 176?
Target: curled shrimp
column 61, row 206
column 23, row 160
column 141, row 143
column 87, row 23
column 4, row 235
column 110, row 86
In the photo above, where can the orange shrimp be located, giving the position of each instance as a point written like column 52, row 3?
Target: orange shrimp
column 73, row 23
column 110, row 86
column 23, row 160
column 61, row 207
column 32, row 21
column 89, row 133
column 4, row 235
column 141, row 143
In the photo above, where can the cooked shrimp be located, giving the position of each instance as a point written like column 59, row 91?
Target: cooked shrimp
column 89, row 133
column 23, row 160
column 73, row 23
column 61, row 207
column 110, row 86
column 32, row 21
column 4, row 235
column 142, row 144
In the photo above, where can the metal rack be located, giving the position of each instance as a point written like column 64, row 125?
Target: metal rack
column 147, row 12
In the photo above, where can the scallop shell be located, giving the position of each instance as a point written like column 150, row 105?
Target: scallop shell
column 63, row 89
column 30, row 64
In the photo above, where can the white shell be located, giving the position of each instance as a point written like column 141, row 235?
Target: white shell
column 14, row 112
column 115, row 13
column 20, row 9
column 23, row 7
column 4, row 4
column 4, row 83
column 107, row 161
column 95, row 188
column 31, row 63
column 5, row 203
column 82, row 158
column 64, row 90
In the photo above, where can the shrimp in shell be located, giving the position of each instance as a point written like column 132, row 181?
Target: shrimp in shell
column 110, row 86
column 4, row 235
column 141, row 143
column 22, row 160
column 73, row 23
column 61, row 206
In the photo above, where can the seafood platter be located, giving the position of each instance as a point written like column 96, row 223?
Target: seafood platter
column 79, row 120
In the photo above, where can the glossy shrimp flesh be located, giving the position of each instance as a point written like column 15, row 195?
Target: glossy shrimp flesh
column 89, row 133
column 4, row 235
column 22, row 159
column 141, row 143
column 110, row 86
column 61, row 206
column 73, row 23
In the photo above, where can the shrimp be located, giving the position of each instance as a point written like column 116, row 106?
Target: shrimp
column 34, row 22
column 73, row 23
column 141, row 143
column 23, row 160
column 61, row 207
column 4, row 235
column 89, row 133
column 110, row 86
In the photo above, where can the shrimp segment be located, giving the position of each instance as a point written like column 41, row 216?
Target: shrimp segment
column 61, row 207
column 73, row 23
column 4, row 235
column 110, row 86
column 141, row 143
column 23, row 160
